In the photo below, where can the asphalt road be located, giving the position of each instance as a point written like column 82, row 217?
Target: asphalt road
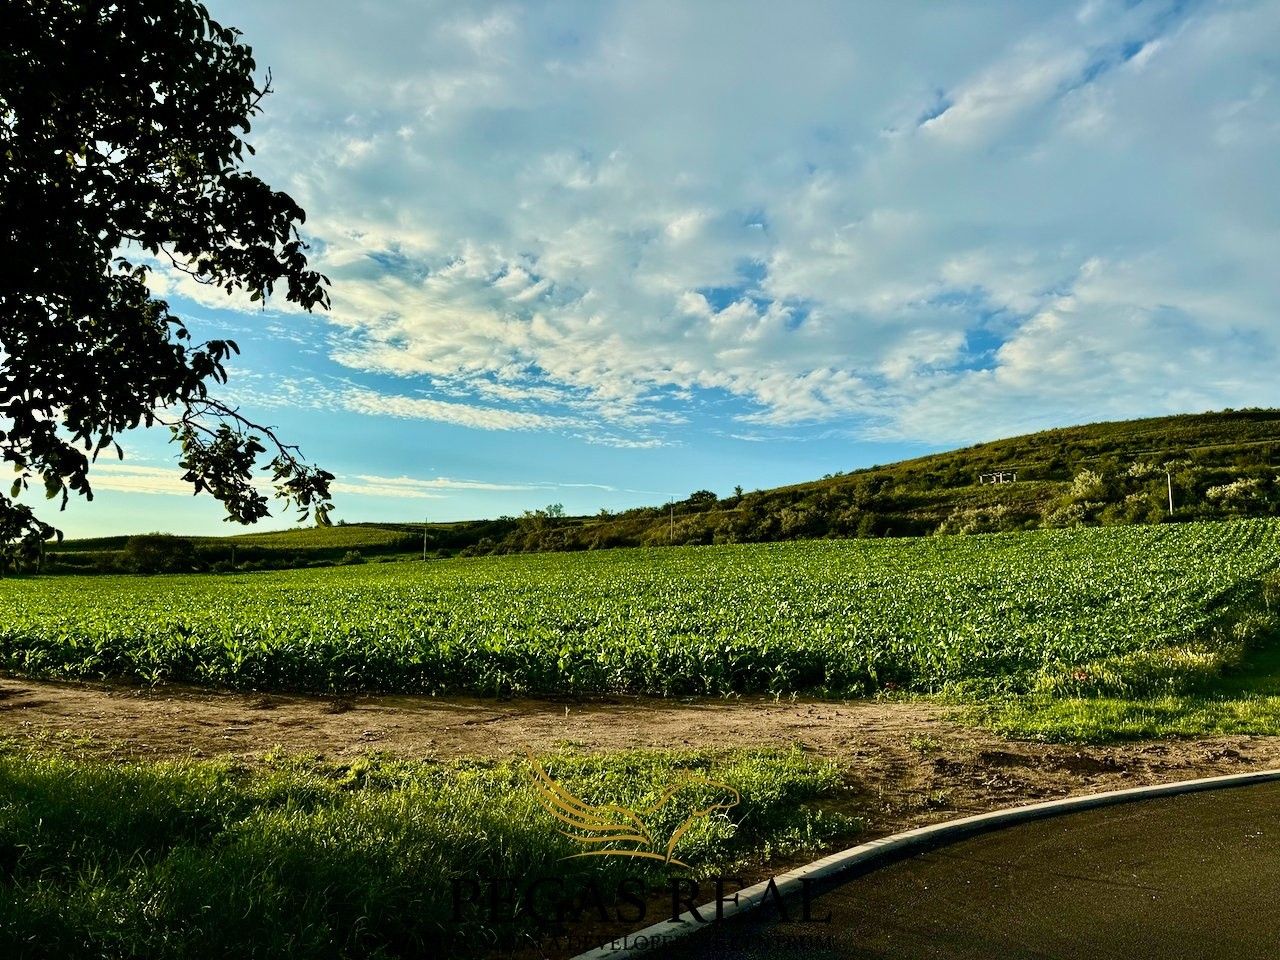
column 1192, row 876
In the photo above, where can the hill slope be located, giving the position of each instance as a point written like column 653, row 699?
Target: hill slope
column 1219, row 465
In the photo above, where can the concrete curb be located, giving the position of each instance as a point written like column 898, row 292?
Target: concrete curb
column 869, row 855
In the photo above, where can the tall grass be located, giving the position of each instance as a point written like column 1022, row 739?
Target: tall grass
column 303, row 859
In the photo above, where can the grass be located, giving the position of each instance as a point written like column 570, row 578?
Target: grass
column 1109, row 719
column 299, row 858
column 344, row 537
column 1241, row 698
column 924, row 742
column 302, row 538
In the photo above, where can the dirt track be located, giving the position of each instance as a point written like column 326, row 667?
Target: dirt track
column 908, row 762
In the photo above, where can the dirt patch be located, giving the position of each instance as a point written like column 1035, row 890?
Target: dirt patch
column 171, row 721
column 907, row 763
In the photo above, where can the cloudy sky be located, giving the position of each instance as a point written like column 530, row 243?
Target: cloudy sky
column 603, row 253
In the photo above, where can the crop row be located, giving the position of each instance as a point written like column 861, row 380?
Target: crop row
column 827, row 617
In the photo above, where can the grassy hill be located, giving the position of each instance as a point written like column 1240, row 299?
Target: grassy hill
column 300, row 547
column 1219, row 465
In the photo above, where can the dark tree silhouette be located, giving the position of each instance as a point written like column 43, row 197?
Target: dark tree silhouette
column 121, row 141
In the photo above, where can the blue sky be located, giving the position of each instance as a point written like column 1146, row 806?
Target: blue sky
column 604, row 253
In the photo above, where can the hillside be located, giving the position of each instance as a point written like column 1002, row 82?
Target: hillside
column 1219, row 465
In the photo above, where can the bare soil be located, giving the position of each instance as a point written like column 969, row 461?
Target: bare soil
column 907, row 762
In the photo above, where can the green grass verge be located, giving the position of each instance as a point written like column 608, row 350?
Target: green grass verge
column 1109, row 719
column 300, row 858
column 1228, row 684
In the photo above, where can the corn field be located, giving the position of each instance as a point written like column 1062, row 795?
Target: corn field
column 831, row 618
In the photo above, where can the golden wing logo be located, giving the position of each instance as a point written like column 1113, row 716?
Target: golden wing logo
column 616, row 831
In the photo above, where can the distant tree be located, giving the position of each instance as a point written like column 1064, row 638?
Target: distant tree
column 158, row 553
column 482, row 546
column 869, row 525
column 538, row 529
column 737, row 492
column 121, row 135
column 701, row 498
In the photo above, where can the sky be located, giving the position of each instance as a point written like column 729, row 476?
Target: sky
column 604, row 254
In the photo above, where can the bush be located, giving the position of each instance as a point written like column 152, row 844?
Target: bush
column 158, row 553
column 967, row 520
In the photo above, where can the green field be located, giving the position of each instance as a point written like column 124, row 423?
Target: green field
column 344, row 537
column 297, row 548
column 1117, row 610
column 298, row 858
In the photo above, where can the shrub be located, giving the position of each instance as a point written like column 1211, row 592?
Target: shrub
column 158, row 553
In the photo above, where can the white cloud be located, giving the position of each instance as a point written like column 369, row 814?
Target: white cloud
column 133, row 478
column 935, row 227
column 421, row 408
column 354, row 149
column 1001, row 93
column 410, row 488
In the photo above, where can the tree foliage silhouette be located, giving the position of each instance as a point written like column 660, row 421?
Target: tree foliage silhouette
column 122, row 132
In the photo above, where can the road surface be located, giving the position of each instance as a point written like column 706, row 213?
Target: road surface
column 1191, row 876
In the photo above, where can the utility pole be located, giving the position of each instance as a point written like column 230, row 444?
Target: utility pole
column 671, row 527
column 1169, row 477
column 424, row 539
